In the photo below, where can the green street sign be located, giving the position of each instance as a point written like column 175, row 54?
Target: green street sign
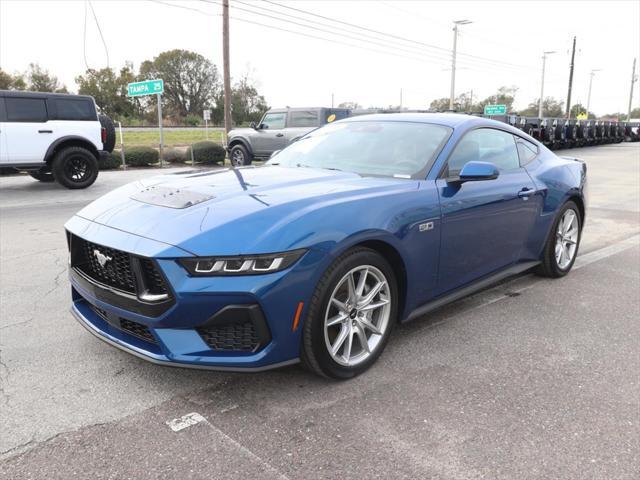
column 149, row 87
column 495, row 109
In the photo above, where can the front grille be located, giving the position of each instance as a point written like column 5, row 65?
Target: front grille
column 119, row 270
column 116, row 272
column 234, row 337
column 137, row 330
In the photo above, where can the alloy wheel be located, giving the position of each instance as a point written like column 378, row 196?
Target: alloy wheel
column 76, row 168
column 238, row 158
column 357, row 316
column 567, row 239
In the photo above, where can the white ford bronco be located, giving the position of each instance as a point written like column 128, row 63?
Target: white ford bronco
column 53, row 136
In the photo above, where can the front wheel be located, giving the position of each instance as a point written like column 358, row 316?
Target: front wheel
column 562, row 245
column 351, row 315
column 75, row 167
column 239, row 156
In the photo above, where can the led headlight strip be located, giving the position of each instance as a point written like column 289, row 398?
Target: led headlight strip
column 242, row 265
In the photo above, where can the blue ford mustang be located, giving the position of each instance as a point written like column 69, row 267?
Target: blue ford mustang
column 315, row 256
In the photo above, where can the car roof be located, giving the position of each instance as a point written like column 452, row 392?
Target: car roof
column 448, row 119
column 296, row 109
column 26, row 93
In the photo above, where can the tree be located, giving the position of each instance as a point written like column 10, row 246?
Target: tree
column 462, row 103
column 577, row 109
column 109, row 89
column 11, row 82
column 246, row 103
column 40, row 80
column 191, row 82
column 504, row 96
column 350, row 105
column 550, row 108
column 635, row 113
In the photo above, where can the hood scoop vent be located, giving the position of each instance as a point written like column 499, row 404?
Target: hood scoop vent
column 170, row 197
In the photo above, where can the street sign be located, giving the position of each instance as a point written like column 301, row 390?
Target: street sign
column 207, row 114
column 148, row 87
column 495, row 109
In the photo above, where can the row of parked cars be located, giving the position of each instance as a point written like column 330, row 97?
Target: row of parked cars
column 567, row 133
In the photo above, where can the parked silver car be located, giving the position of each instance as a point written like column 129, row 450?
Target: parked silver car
column 276, row 130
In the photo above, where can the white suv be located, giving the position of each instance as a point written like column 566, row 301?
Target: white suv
column 53, row 136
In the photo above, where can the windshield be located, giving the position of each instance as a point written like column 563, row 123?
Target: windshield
column 378, row 148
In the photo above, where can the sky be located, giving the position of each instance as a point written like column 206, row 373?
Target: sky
column 502, row 47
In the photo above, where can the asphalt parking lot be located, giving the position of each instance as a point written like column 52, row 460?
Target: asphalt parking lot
column 534, row 378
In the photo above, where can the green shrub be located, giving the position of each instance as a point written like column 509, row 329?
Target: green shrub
column 174, row 155
column 206, row 152
column 192, row 120
column 140, row 156
column 112, row 161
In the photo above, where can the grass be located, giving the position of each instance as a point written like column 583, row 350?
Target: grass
column 172, row 138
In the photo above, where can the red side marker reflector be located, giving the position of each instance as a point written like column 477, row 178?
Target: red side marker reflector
column 296, row 319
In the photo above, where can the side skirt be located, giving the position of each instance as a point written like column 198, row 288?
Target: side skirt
column 469, row 289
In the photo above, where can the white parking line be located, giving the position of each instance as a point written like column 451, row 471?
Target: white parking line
column 588, row 258
column 194, row 418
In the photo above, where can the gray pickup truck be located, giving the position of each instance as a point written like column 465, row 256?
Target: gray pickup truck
column 276, row 130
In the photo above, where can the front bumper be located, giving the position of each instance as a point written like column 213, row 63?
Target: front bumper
column 173, row 334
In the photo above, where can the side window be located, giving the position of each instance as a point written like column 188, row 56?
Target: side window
column 274, row 120
column 484, row 145
column 304, row 118
column 527, row 151
column 75, row 109
column 25, row 109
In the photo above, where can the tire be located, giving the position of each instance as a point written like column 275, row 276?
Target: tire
column 551, row 266
column 239, row 156
column 45, row 177
column 110, row 128
column 75, row 167
column 317, row 338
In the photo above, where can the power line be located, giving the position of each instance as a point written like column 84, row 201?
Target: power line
column 471, row 63
column 394, row 36
column 184, row 7
column 106, row 50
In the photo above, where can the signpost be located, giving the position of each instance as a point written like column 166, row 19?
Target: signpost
column 207, row 116
column 495, row 110
column 150, row 87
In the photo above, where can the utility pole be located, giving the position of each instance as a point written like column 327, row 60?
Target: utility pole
column 634, row 78
column 332, row 100
column 453, row 59
column 225, row 62
column 401, row 99
column 591, row 75
column 471, row 101
column 573, row 56
column 544, row 61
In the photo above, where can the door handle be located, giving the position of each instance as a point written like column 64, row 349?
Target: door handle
column 526, row 192
column 45, row 131
column 279, row 134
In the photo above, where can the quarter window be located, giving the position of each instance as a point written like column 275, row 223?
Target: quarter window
column 75, row 109
column 484, row 145
column 305, row 118
column 527, row 151
column 25, row 109
column 273, row 121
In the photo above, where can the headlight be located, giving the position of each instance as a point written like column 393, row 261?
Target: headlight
column 243, row 265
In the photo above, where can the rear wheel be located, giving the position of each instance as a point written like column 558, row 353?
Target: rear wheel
column 351, row 315
column 75, row 167
column 562, row 245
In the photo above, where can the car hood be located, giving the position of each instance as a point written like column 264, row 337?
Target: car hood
column 240, row 131
column 237, row 211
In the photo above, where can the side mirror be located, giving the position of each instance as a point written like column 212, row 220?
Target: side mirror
column 254, row 126
column 475, row 171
